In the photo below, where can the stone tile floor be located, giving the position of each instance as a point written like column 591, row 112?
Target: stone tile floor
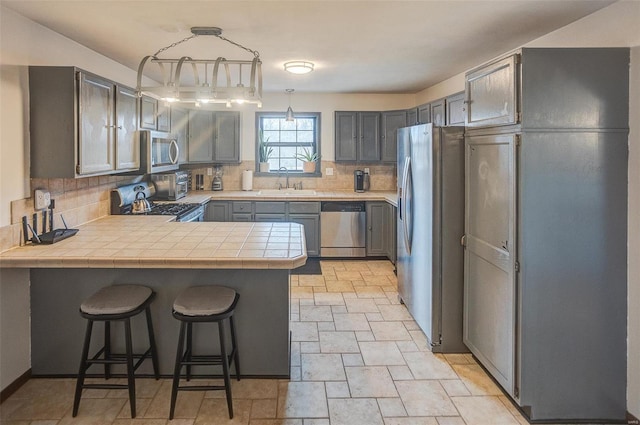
column 358, row 358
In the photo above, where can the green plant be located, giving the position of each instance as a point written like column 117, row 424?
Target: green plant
column 307, row 156
column 264, row 149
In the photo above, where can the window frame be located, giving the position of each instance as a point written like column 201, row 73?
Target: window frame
column 317, row 141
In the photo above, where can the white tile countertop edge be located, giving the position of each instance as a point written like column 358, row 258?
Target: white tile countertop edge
column 159, row 242
column 203, row 196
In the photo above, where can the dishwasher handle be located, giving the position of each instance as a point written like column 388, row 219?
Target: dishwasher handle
column 342, row 206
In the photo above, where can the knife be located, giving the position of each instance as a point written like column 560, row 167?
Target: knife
column 44, row 221
column 51, row 207
column 34, row 228
column 25, row 229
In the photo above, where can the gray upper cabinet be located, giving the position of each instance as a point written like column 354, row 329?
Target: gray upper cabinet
column 492, row 94
column 357, row 136
column 163, row 118
column 148, row 113
column 412, row 116
column 438, row 113
column 391, row 122
column 180, row 131
column 214, row 137
column 455, row 109
column 80, row 124
column 128, row 146
column 227, row 137
column 201, row 136
column 424, row 113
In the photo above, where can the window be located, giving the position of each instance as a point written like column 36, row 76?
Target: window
column 287, row 139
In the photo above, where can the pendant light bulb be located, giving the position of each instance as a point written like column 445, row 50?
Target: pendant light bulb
column 289, row 116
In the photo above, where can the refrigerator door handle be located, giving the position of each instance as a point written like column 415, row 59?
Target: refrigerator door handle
column 407, row 190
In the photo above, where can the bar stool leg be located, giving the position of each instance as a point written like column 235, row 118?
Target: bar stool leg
column 225, row 367
column 152, row 344
column 236, row 356
column 189, row 352
column 130, row 378
column 176, row 370
column 83, row 367
column 107, row 348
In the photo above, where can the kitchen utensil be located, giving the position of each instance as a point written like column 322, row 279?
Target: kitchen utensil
column 140, row 205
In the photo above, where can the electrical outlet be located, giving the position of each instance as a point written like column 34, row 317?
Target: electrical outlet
column 42, row 199
column 366, row 170
column 209, row 171
column 329, row 171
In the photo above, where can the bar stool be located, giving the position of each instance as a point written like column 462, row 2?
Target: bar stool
column 116, row 303
column 205, row 304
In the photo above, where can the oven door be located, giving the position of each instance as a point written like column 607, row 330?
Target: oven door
column 195, row 215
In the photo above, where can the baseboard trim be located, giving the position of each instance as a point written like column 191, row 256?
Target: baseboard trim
column 632, row 420
column 15, row 385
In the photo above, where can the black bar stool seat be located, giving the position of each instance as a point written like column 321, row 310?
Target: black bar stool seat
column 205, row 304
column 116, row 303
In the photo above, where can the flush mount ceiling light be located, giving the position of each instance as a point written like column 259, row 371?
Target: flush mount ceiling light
column 205, row 80
column 289, row 116
column 298, row 67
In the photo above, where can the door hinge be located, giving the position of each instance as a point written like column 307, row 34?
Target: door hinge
column 518, row 117
column 517, row 266
column 463, row 240
column 518, row 136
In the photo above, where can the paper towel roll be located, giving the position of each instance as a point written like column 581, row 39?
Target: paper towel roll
column 247, row 180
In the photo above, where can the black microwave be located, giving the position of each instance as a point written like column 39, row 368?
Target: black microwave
column 159, row 152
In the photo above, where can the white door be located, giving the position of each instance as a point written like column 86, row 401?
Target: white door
column 490, row 284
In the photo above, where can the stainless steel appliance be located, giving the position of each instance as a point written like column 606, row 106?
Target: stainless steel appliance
column 358, row 181
column 159, row 152
column 171, row 186
column 342, row 229
column 430, row 225
column 123, row 198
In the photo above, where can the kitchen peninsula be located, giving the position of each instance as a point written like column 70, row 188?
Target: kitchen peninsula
column 252, row 258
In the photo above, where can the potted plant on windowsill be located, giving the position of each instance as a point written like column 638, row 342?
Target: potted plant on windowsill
column 265, row 151
column 309, row 160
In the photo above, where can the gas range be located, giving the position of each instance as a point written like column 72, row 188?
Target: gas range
column 123, row 197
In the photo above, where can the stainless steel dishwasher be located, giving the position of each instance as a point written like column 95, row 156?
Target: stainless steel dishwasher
column 342, row 229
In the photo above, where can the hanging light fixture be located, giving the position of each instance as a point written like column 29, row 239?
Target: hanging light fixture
column 289, row 116
column 298, row 67
column 210, row 80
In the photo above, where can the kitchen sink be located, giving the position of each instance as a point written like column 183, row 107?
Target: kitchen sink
column 286, row 192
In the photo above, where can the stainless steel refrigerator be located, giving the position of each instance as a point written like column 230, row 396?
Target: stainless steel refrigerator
column 430, row 224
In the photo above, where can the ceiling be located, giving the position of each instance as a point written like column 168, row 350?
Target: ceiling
column 373, row 46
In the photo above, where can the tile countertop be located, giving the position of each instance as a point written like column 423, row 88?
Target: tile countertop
column 202, row 196
column 159, row 242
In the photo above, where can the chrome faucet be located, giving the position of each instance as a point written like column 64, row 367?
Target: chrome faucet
column 286, row 173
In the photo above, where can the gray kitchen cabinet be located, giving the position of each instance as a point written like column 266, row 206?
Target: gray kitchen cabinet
column 201, row 136
column 227, row 137
column 546, row 229
column 80, row 124
column 391, row 122
column 455, row 109
column 380, row 233
column 424, row 113
column 438, row 113
column 412, row 116
column 218, row 211
column 307, row 214
column 357, row 136
column 154, row 114
column 180, row 131
column 127, row 144
column 214, row 137
column 246, row 217
column 270, row 211
column 392, row 246
column 148, row 113
column 491, row 92
column 269, row 217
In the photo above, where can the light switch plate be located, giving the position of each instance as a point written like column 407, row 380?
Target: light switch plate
column 329, row 171
column 42, row 199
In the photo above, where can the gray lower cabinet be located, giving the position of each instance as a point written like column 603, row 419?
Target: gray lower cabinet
column 218, row 211
column 381, row 230
column 307, row 214
column 80, row 124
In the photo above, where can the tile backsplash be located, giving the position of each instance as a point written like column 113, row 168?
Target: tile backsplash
column 382, row 177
